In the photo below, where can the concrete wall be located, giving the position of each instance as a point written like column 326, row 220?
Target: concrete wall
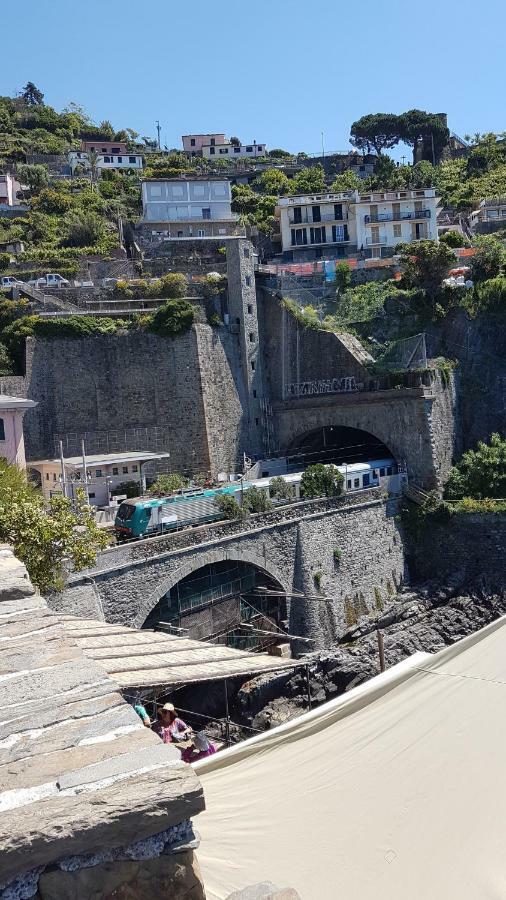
column 292, row 545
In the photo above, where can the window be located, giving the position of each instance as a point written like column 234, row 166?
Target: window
column 251, row 337
column 134, row 468
column 252, row 365
column 115, row 470
column 2, row 430
column 382, row 473
column 338, row 210
column 397, row 231
column 254, row 393
column 115, row 150
column 206, row 213
column 349, row 484
column 125, row 470
column 192, row 142
column 201, row 232
column 91, row 148
column 317, row 235
column 299, row 237
column 104, row 149
column 98, row 473
column 91, row 495
column 250, row 309
column 317, row 216
column 245, row 252
column 132, row 159
column 249, row 149
column 47, row 476
column 223, row 150
column 297, row 215
column 213, row 141
column 120, row 159
column 212, row 151
column 260, row 147
column 107, row 159
column 248, row 280
column 356, row 482
column 338, row 233
column 54, row 476
column 180, row 234
column 237, row 149
column 389, row 470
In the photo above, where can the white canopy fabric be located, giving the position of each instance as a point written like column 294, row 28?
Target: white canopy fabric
column 394, row 791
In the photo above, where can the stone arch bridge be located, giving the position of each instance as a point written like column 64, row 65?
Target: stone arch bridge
column 294, row 546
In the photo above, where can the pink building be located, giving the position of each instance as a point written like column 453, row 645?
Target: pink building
column 109, row 147
column 193, row 143
column 12, row 444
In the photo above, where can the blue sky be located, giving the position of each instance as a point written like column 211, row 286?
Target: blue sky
column 274, row 71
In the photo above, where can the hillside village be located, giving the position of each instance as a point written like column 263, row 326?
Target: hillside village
column 252, row 472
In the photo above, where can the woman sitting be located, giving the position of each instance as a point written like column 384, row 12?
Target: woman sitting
column 168, row 726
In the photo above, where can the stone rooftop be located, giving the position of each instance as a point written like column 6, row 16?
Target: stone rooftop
column 79, row 773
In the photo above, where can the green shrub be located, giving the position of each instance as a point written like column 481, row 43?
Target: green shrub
column 168, row 484
column 130, row 488
column 173, row 285
column 350, row 614
column 378, row 599
column 281, row 489
column 256, row 500
column 491, row 294
column 321, row 481
column 212, row 285
column 173, row 318
column 5, row 261
column 214, row 320
column 229, row 507
column 454, row 239
column 337, row 554
column 317, row 578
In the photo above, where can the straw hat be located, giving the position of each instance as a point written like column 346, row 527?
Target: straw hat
column 168, row 707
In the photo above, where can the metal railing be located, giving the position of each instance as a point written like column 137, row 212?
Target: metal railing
column 308, row 218
column 376, row 241
column 398, row 217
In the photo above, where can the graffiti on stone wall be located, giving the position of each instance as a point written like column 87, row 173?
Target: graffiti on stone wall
column 346, row 385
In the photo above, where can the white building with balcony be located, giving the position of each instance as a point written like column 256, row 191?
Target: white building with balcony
column 227, row 151
column 316, row 226
column 490, row 215
column 197, row 207
column 333, row 226
column 387, row 218
column 79, row 159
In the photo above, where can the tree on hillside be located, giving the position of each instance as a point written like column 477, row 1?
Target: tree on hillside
column 31, row 95
column 321, row 481
column 34, row 176
column 235, row 142
column 106, row 130
column 273, row 182
column 376, row 131
column 310, row 180
column 425, row 264
column 46, row 538
column 489, row 258
column 416, row 126
column 347, row 181
column 481, row 473
column 84, row 228
column 277, row 153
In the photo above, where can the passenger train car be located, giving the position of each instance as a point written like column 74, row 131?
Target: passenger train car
column 147, row 516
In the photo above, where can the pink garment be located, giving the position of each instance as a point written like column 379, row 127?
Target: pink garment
column 190, row 755
column 168, row 732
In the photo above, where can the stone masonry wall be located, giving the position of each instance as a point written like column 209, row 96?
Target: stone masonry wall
column 466, row 547
column 293, row 550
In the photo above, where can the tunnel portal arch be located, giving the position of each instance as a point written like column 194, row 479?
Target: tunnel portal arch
column 338, row 444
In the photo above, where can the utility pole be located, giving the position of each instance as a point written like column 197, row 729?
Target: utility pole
column 158, row 129
column 85, row 474
column 62, row 466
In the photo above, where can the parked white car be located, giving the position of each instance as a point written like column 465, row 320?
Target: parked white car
column 7, row 281
column 52, row 279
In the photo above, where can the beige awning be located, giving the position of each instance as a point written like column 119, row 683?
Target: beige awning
column 145, row 658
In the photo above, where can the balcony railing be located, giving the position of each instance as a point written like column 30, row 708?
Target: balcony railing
column 307, row 218
column 376, row 241
column 398, row 217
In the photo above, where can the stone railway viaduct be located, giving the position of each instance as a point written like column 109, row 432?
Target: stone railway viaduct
column 291, row 545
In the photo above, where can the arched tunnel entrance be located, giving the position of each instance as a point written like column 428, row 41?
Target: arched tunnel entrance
column 335, row 444
column 217, row 600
